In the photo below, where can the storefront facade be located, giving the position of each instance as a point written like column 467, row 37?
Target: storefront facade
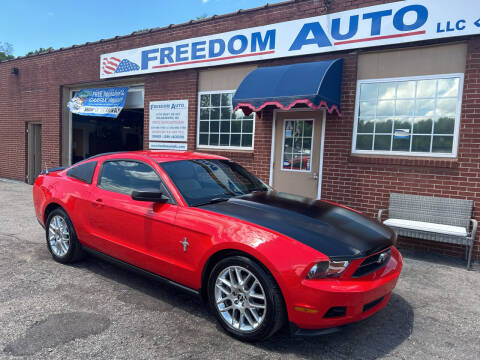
column 405, row 119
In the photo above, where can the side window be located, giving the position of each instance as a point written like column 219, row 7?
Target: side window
column 125, row 176
column 83, row 172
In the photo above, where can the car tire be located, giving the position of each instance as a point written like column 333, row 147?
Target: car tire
column 62, row 241
column 244, row 299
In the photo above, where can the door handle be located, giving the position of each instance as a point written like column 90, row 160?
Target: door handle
column 98, row 203
column 315, row 176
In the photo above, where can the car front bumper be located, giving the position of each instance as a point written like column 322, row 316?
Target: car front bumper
column 331, row 303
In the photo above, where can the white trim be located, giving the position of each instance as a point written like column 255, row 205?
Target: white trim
column 272, row 149
column 311, row 145
column 272, row 152
column 322, row 150
column 407, row 153
column 207, row 147
column 70, row 131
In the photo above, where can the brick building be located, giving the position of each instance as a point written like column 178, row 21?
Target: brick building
column 406, row 120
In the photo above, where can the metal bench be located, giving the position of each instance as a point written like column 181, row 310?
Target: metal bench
column 432, row 218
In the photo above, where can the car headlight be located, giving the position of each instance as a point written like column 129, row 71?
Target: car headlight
column 327, row 269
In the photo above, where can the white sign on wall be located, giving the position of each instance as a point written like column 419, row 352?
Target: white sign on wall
column 167, row 146
column 168, row 120
column 392, row 23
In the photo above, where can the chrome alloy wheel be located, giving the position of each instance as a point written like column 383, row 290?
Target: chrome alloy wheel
column 58, row 236
column 240, row 298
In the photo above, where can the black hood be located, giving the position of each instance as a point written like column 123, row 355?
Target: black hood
column 333, row 230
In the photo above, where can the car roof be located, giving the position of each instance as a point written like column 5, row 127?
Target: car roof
column 160, row 155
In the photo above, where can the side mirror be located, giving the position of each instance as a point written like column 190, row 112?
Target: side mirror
column 155, row 196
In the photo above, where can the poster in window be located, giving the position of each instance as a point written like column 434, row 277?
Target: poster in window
column 168, row 120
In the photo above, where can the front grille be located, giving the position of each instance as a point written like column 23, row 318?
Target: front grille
column 372, row 304
column 373, row 263
column 336, row 311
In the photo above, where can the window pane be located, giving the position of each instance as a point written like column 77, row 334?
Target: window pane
column 406, row 90
column 224, row 139
column 383, row 125
column 236, row 126
column 215, row 99
column 448, row 87
column 204, row 100
column 297, row 145
column 204, row 114
column 401, row 144
column 214, row 126
column 307, row 128
column 287, row 161
column 404, row 107
column 368, row 91
column 421, row 143
column 367, row 108
column 297, row 162
column 402, row 123
column 422, row 126
column 251, row 116
column 425, row 108
column 385, row 108
column 203, row 139
column 364, row 142
column 226, row 112
column 238, row 114
column 426, row 88
column 226, row 100
column 247, row 140
column 214, row 138
column 365, row 125
column 442, row 144
column 204, row 126
column 215, row 113
column 307, row 146
column 386, row 91
column 382, row 142
column 225, row 126
column 288, row 145
column 247, row 126
column 444, row 125
column 446, row 107
column 235, row 140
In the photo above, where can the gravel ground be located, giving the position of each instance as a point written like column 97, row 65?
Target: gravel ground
column 95, row 309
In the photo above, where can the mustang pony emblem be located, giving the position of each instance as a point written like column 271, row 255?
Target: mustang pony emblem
column 185, row 244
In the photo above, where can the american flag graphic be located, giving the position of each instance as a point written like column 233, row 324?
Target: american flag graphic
column 111, row 65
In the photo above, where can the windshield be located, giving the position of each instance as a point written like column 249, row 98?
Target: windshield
column 204, row 181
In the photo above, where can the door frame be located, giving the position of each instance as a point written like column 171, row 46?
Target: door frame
column 30, row 162
column 322, row 143
column 135, row 87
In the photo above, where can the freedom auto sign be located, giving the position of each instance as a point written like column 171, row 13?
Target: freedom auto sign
column 394, row 23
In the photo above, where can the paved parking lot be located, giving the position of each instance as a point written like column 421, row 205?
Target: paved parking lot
column 95, row 309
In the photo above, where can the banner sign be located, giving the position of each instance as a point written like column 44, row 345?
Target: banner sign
column 167, row 146
column 393, row 23
column 106, row 102
column 168, row 120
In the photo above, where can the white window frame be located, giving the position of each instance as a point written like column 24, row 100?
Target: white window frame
column 219, row 147
column 453, row 154
column 283, row 145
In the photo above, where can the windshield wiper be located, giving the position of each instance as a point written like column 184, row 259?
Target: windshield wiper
column 213, row 201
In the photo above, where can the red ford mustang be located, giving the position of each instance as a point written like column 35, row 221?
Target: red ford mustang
column 260, row 258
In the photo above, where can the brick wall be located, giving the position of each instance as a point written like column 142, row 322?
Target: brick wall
column 361, row 182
